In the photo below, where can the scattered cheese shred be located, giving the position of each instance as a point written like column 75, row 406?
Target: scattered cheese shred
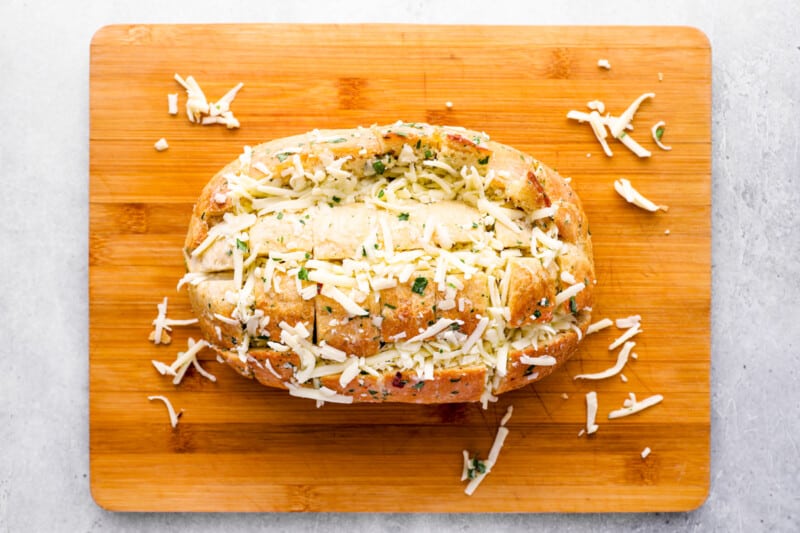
column 629, row 334
column 616, row 125
column 591, row 412
column 631, row 195
column 323, row 394
column 465, row 468
column 542, row 360
column 628, row 322
column 440, row 325
column 604, row 63
column 569, row 292
column 161, row 144
column 172, row 103
column 597, row 105
column 599, row 325
column 645, row 452
column 635, row 407
column 622, row 359
column 173, row 417
column 162, row 324
column 200, row 111
column 499, row 440
column 657, row 135
column 350, row 306
column 507, row 416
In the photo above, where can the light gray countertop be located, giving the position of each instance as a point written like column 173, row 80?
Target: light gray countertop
column 44, row 75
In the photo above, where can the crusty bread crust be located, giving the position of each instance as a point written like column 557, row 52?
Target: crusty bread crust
column 525, row 183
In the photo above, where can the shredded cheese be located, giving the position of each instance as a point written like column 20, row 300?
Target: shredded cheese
column 323, row 394
column 172, row 103
column 173, row 416
column 542, row 360
column 631, row 195
column 591, row 412
column 162, row 324
column 161, row 144
column 599, row 325
column 622, row 359
column 569, row 292
column 200, row 111
column 657, row 135
column 645, row 452
column 616, row 125
column 635, row 407
column 604, row 63
column 499, row 440
column 629, row 334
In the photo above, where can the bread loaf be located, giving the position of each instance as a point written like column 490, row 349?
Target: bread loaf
column 406, row 263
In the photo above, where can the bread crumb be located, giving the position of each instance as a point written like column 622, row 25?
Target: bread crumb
column 448, row 104
column 165, row 337
column 565, row 396
column 660, row 76
column 666, row 232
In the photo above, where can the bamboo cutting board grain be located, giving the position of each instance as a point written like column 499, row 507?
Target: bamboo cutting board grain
column 242, row 447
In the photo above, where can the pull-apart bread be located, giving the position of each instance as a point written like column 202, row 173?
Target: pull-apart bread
column 405, row 263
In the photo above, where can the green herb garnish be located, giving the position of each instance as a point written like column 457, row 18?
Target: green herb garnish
column 573, row 305
column 282, row 157
column 537, row 313
column 381, row 193
column 418, row 386
column 279, row 215
column 379, row 167
column 390, row 306
column 659, row 132
column 329, row 309
column 338, row 140
column 402, row 216
column 419, row 285
column 483, row 160
column 302, row 274
column 242, row 246
column 336, row 199
column 428, row 154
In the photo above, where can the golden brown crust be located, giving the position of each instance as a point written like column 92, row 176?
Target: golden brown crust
column 519, row 374
column 402, row 311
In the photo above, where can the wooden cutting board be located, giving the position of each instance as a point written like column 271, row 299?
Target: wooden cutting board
column 242, row 447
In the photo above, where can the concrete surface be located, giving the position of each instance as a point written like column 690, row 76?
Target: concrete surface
column 44, row 55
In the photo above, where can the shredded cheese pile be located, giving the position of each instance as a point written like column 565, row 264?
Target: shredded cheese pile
column 162, row 324
column 200, row 111
column 182, row 363
column 617, row 126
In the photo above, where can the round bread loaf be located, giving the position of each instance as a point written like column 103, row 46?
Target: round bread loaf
column 405, row 263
